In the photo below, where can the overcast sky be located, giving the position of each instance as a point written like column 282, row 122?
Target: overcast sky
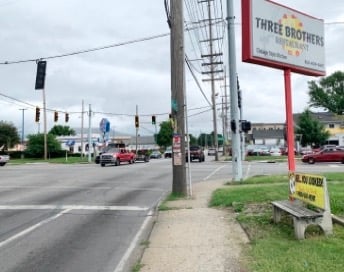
column 114, row 80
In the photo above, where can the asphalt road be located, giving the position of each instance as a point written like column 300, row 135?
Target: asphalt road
column 91, row 218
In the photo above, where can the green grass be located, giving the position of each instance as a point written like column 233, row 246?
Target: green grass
column 274, row 246
column 63, row 160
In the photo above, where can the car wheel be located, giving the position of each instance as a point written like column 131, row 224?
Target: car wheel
column 311, row 161
column 118, row 162
column 102, row 165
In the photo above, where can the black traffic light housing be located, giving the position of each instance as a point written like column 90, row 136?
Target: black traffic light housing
column 245, row 126
column 40, row 75
column 137, row 121
column 38, row 110
column 66, row 117
column 153, row 120
column 56, row 116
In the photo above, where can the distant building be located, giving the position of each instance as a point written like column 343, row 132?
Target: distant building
column 333, row 123
column 266, row 134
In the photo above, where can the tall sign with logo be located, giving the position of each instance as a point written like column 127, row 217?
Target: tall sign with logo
column 280, row 37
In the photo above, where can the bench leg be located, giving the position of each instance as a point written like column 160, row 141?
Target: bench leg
column 326, row 223
column 299, row 228
column 277, row 214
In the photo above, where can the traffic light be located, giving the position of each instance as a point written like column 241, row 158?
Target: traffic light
column 153, row 120
column 37, row 114
column 40, row 75
column 245, row 126
column 136, row 121
column 66, row 117
column 56, row 116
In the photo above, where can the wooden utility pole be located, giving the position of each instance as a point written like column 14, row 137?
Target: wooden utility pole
column 178, row 97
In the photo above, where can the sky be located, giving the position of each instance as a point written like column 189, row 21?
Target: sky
column 132, row 72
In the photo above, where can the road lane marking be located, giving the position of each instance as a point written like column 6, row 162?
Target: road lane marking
column 32, row 228
column 213, row 173
column 133, row 244
column 72, row 207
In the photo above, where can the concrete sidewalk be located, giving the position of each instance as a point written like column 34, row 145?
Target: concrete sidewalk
column 193, row 237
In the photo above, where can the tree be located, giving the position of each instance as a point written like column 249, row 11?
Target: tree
column 35, row 145
column 9, row 136
column 164, row 137
column 329, row 93
column 312, row 131
column 59, row 130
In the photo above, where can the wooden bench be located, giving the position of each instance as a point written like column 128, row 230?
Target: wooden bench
column 306, row 190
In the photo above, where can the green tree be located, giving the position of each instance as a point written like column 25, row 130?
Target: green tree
column 329, row 93
column 9, row 136
column 312, row 131
column 59, row 130
column 164, row 137
column 35, row 145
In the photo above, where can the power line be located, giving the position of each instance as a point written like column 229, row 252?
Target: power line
column 88, row 50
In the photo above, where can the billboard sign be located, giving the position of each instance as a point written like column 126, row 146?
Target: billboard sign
column 280, row 37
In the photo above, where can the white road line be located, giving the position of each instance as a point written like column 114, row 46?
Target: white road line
column 212, row 173
column 72, row 207
column 133, row 243
column 32, row 228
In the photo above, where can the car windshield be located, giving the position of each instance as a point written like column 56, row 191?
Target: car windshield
column 193, row 148
column 113, row 150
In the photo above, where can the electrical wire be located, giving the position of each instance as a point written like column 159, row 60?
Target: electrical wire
column 88, row 50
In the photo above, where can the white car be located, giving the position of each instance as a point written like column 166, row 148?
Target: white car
column 4, row 159
column 275, row 151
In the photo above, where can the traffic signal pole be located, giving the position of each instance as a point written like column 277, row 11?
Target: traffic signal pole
column 236, row 153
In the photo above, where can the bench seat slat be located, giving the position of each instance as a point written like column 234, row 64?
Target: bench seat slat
column 296, row 210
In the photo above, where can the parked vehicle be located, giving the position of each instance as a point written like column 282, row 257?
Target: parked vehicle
column 196, row 153
column 156, row 155
column 211, row 151
column 168, row 152
column 275, row 151
column 4, row 158
column 142, row 155
column 116, row 156
column 332, row 154
column 258, row 150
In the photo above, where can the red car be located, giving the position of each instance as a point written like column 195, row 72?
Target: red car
column 116, row 156
column 325, row 155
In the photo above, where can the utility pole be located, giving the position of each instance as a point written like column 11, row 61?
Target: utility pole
column 212, row 63
column 22, row 134
column 45, row 126
column 236, row 154
column 137, row 130
column 82, row 128
column 178, row 97
column 89, row 132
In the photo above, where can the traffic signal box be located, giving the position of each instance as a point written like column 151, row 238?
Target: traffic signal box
column 137, row 121
column 153, row 120
column 66, row 117
column 56, row 116
column 37, row 114
column 40, row 75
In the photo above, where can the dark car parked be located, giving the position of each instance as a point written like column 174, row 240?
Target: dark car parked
column 196, row 153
